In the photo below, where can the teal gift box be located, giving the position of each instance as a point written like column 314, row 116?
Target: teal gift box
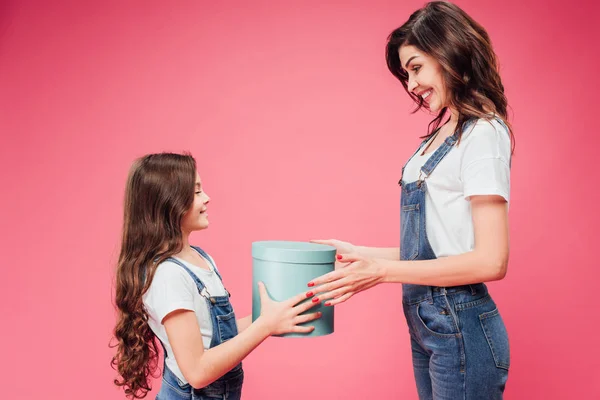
column 285, row 268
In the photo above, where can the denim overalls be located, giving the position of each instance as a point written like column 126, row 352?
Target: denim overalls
column 227, row 387
column 459, row 342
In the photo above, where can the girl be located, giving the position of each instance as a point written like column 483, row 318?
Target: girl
column 454, row 206
column 168, row 289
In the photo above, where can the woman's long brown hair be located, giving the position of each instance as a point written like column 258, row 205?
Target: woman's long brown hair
column 469, row 65
column 159, row 191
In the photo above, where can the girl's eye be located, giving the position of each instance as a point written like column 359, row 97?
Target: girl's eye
column 416, row 69
column 198, row 192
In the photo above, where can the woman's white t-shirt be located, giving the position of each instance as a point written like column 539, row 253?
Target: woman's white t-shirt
column 478, row 165
column 172, row 288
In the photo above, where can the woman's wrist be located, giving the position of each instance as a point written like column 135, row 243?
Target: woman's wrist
column 380, row 270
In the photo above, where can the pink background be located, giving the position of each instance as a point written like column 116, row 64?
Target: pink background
column 300, row 132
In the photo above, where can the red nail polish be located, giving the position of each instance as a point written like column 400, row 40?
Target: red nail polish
column 339, row 256
column 328, row 304
column 315, row 299
column 311, row 284
column 309, row 294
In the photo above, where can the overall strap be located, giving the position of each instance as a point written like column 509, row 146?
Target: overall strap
column 207, row 257
column 443, row 150
column 201, row 288
column 411, row 157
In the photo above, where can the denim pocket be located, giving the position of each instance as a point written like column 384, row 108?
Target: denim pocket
column 497, row 337
column 227, row 326
column 436, row 319
column 170, row 392
column 409, row 226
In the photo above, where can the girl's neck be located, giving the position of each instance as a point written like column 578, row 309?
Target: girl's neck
column 185, row 240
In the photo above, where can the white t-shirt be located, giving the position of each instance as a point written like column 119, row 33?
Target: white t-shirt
column 172, row 288
column 478, row 165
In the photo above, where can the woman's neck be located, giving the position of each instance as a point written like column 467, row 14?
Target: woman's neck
column 453, row 115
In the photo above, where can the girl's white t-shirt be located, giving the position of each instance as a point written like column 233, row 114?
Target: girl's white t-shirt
column 478, row 165
column 172, row 288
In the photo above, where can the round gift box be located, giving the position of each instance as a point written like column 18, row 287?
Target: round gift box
column 285, row 268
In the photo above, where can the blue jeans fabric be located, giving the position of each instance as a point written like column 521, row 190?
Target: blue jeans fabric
column 459, row 342
column 227, row 387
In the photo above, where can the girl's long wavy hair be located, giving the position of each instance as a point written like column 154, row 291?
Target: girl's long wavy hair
column 160, row 189
column 469, row 65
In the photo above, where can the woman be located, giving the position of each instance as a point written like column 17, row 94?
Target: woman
column 454, row 217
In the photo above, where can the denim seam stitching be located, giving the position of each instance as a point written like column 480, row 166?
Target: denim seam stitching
column 471, row 304
column 441, row 335
column 178, row 390
column 459, row 337
column 415, row 207
column 486, row 332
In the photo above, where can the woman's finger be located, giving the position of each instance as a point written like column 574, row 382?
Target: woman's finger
column 335, row 293
column 339, row 300
column 328, row 287
column 348, row 258
column 292, row 301
column 329, row 277
column 307, row 305
column 328, row 242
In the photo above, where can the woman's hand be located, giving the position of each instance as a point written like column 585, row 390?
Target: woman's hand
column 341, row 247
column 284, row 317
column 360, row 274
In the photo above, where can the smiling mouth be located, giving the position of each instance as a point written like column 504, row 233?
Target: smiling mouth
column 426, row 94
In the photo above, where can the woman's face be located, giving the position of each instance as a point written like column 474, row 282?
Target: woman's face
column 196, row 218
column 425, row 78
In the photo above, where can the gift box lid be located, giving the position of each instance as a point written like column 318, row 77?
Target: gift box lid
column 293, row 252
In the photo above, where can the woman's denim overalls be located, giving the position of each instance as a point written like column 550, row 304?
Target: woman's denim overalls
column 227, row 387
column 459, row 342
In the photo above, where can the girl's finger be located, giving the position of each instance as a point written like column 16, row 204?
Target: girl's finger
column 300, row 319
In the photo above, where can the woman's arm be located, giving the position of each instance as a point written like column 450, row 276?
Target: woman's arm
column 386, row 253
column 486, row 262
column 202, row 367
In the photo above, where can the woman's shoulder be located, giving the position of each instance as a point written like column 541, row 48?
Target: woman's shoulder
column 486, row 138
column 484, row 131
column 492, row 128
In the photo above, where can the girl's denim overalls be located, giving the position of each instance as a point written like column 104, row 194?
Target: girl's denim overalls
column 227, row 387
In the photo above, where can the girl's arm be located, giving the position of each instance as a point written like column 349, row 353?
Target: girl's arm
column 202, row 367
column 486, row 262
column 243, row 323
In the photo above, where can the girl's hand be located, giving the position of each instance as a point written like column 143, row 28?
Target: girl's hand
column 284, row 317
column 360, row 274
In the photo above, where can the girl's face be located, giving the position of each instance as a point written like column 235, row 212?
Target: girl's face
column 196, row 218
column 425, row 77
